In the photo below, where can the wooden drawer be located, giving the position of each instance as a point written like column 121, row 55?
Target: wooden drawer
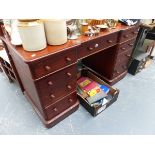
column 113, row 93
column 57, row 85
column 126, row 46
column 54, row 62
column 128, row 34
column 98, row 44
column 122, row 63
column 60, row 106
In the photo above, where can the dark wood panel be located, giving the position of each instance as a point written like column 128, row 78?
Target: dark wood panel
column 126, row 46
column 102, row 62
column 122, row 62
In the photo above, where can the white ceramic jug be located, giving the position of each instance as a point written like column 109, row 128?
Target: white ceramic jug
column 32, row 35
column 56, row 31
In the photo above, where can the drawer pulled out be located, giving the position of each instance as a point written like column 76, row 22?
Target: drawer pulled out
column 95, row 110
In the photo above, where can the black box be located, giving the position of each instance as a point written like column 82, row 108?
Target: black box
column 97, row 109
column 138, row 63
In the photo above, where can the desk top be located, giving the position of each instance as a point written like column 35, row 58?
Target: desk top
column 49, row 50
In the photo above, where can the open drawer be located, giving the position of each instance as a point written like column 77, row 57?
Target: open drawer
column 95, row 110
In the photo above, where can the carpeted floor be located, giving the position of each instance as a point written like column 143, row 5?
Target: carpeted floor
column 133, row 113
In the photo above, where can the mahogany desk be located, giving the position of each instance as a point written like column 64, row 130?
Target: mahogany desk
column 49, row 76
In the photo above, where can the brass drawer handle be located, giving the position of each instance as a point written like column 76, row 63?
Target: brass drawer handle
column 50, row 83
column 69, row 87
column 123, row 48
column 70, row 100
column 130, row 44
column 69, row 74
column 90, row 48
column 47, row 68
column 126, row 36
column 55, row 109
column 52, row 96
column 109, row 41
column 68, row 59
column 96, row 45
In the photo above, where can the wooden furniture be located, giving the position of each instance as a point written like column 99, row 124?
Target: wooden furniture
column 49, row 76
column 6, row 66
column 10, row 69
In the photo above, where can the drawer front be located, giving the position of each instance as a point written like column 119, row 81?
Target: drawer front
column 98, row 44
column 60, row 106
column 126, row 46
column 128, row 34
column 57, row 85
column 54, row 62
column 122, row 62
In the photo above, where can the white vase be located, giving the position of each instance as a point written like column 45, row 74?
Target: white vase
column 56, row 31
column 32, row 35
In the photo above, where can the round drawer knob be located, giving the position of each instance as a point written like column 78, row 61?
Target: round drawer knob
column 109, row 41
column 130, row 44
column 117, row 72
column 96, row 45
column 123, row 48
column 70, row 100
column 50, row 83
column 125, row 67
column 90, row 48
column 47, row 68
column 68, row 59
column 69, row 87
column 128, row 55
column 55, row 109
column 52, row 96
column 69, row 74
column 126, row 36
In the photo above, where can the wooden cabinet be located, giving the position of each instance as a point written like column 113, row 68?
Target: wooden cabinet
column 49, row 76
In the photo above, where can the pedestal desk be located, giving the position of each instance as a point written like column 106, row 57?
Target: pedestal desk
column 49, row 76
